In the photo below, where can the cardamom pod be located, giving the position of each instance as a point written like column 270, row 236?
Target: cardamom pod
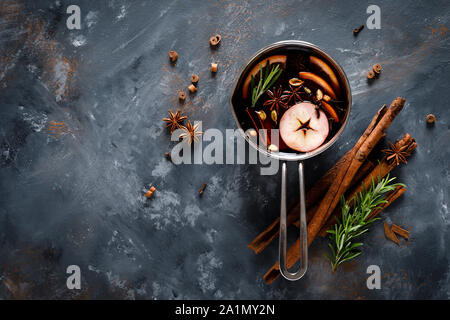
column 274, row 116
column 262, row 115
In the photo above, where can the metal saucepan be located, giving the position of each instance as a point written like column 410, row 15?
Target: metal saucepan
column 290, row 156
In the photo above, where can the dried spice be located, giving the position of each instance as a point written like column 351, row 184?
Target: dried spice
column 173, row 56
column 252, row 132
column 400, row 231
column 319, row 95
column 194, row 79
column 181, row 96
column 202, row 189
column 277, row 100
column 150, row 192
column 168, row 157
column 293, row 94
column 274, row 116
column 272, row 148
column 431, row 118
column 370, row 74
column 175, row 120
column 358, row 30
column 214, row 67
column 215, row 40
column 376, row 68
column 295, row 82
column 191, row 133
column 390, row 234
column 192, row 88
column 396, row 153
column 317, row 112
column 261, row 114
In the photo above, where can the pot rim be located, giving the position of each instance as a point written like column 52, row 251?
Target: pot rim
column 290, row 156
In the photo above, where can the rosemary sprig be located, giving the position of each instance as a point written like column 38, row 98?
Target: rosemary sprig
column 354, row 222
column 265, row 82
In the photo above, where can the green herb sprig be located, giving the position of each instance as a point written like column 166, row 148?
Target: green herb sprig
column 265, row 82
column 355, row 222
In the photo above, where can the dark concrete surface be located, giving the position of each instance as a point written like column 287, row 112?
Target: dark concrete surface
column 77, row 197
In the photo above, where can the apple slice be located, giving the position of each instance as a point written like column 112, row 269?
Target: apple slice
column 322, row 65
column 319, row 81
column 301, row 129
column 272, row 59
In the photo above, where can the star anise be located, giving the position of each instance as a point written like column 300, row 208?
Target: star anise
column 293, row 93
column 174, row 120
column 277, row 100
column 396, row 154
column 191, row 133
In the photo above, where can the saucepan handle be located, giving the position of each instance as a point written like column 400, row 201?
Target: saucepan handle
column 283, row 228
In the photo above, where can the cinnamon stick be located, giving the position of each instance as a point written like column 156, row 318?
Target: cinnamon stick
column 345, row 177
column 314, row 194
column 390, row 234
column 376, row 174
column 390, row 197
column 362, row 173
column 365, row 169
column 400, row 231
column 267, row 236
column 363, row 147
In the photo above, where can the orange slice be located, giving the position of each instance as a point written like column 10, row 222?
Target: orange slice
column 319, row 81
column 272, row 59
column 322, row 65
column 330, row 111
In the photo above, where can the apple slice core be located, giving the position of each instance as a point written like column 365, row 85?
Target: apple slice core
column 301, row 129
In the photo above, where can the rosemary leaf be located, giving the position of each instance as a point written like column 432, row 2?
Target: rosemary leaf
column 354, row 223
column 266, row 80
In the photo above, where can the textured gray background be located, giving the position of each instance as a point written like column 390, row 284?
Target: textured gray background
column 78, row 198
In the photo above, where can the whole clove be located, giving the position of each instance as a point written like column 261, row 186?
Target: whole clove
column 358, row 30
column 202, row 189
column 168, row 157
